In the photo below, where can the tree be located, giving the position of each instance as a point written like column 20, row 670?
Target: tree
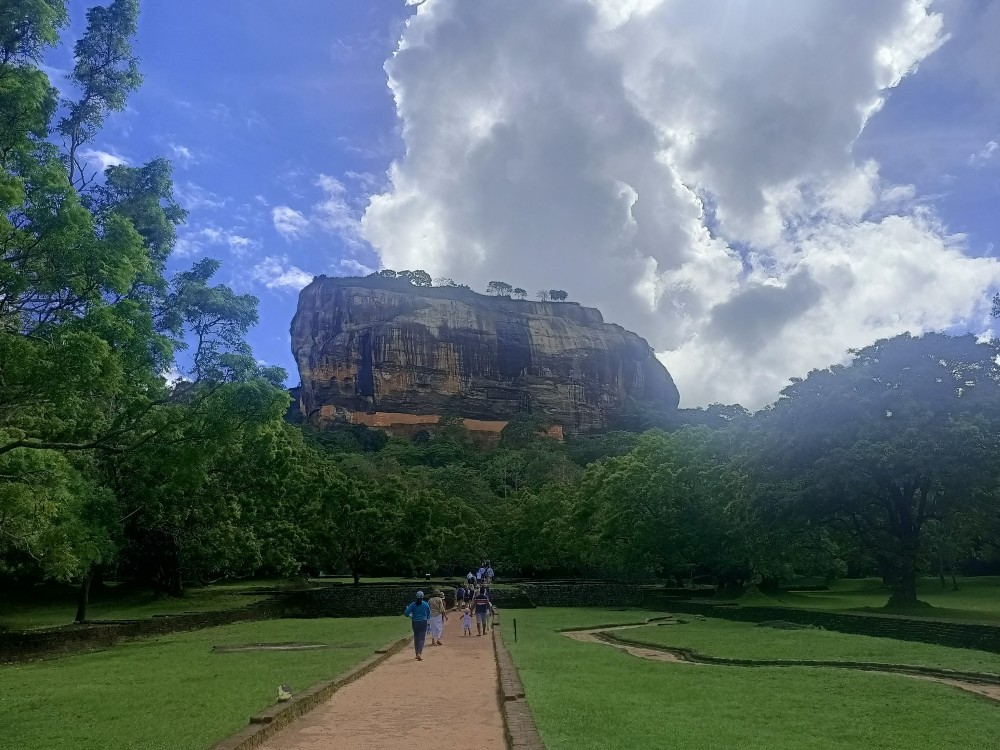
column 101, row 457
column 557, row 295
column 217, row 318
column 358, row 524
column 543, row 295
column 499, row 288
column 416, row 278
column 444, row 281
column 387, row 273
column 663, row 508
column 519, row 293
column 902, row 438
column 106, row 72
column 180, row 491
column 79, row 276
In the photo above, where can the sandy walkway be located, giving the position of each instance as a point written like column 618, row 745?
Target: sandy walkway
column 447, row 701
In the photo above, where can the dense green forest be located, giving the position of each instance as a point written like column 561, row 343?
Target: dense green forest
column 108, row 467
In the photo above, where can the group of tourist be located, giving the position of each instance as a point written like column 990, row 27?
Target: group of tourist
column 428, row 615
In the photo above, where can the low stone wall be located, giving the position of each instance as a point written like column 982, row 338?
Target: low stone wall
column 518, row 722
column 270, row 721
column 937, row 632
column 18, row 645
column 582, row 594
column 365, row 600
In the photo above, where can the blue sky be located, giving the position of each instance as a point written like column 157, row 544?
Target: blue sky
column 662, row 164
column 252, row 106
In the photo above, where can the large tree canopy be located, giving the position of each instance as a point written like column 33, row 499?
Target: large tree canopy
column 903, row 437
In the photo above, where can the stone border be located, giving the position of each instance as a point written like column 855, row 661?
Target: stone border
column 24, row 645
column 270, row 721
column 982, row 637
column 696, row 657
column 520, row 732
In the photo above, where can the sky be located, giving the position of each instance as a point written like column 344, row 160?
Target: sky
column 754, row 186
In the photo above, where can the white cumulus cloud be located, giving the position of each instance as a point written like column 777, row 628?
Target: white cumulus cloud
column 333, row 214
column 100, row 159
column 686, row 167
column 182, row 155
column 289, row 223
column 194, row 197
column 194, row 241
column 276, row 272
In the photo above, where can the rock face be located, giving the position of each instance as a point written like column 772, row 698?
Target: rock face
column 387, row 354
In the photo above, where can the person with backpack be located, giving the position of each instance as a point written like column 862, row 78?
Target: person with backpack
column 419, row 613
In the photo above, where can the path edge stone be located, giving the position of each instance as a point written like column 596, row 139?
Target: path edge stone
column 520, row 731
column 265, row 724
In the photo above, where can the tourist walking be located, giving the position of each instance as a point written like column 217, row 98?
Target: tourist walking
column 419, row 613
column 438, row 616
column 489, row 573
column 466, row 622
column 482, row 608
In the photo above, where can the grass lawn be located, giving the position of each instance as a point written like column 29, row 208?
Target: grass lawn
column 172, row 693
column 977, row 599
column 58, row 606
column 740, row 640
column 591, row 697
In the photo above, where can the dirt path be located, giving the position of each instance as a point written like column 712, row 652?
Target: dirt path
column 666, row 654
column 447, row 701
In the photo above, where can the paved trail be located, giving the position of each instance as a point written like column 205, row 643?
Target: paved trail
column 447, row 701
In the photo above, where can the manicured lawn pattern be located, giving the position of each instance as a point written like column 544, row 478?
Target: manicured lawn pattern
column 588, row 697
column 740, row 640
column 977, row 599
column 172, row 693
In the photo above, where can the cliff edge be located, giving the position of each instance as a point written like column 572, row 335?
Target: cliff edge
column 388, row 354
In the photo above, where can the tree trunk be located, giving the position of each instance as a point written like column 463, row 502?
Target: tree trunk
column 770, row 585
column 176, row 584
column 954, row 581
column 940, row 572
column 83, row 597
column 904, row 589
column 169, row 581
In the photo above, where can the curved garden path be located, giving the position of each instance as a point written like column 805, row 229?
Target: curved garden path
column 985, row 685
column 447, row 701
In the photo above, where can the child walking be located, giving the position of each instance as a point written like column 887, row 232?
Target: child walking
column 466, row 622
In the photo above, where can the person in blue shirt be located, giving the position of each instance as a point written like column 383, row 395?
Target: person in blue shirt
column 420, row 614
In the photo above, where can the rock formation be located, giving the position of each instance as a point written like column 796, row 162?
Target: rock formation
column 387, row 354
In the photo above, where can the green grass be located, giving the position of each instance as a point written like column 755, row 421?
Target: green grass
column 172, row 693
column 740, row 640
column 592, row 697
column 977, row 599
column 58, row 607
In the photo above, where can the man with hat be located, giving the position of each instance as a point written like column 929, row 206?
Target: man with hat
column 420, row 614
